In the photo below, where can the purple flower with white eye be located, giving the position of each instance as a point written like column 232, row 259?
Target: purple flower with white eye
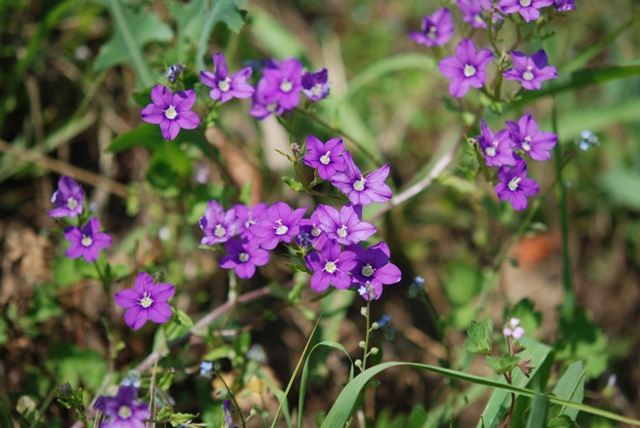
column 171, row 111
column 86, row 241
column 122, row 409
column 526, row 136
column 310, row 233
column 145, row 301
column 528, row 9
column 466, row 69
column 345, row 226
column 497, row 148
column 531, row 71
column 281, row 223
column 436, row 29
column 373, row 269
column 247, row 217
column 472, row 11
column 515, row 186
column 325, row 157
column 225, row 87
column 68, row 198
column 331, row 266
column 564, row 5
column 243, row 256
column 316, row 85
column 218, row 226
column 359, row 189
column 282, row 84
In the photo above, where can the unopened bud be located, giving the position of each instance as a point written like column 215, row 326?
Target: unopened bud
column 362, row 344
column 375, row 326
column 363, row 311
column 374, row 351
column 358, row 363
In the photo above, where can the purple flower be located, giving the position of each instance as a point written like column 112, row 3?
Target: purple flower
column 247, row 217
column 310, row 232
column 280, row 224
column 174, row 71
column 466, row 68
column 243, row 256
column 218, row 226
column 535, row 143
column 472, row 11
column 315, row 85
column 496, row 148
column 282, row 84
column 260, row 108
column 325, row 157
column 171, row 111
column 564, row 5
column 331, row 266
column 345, row 226
column 68, row 198
column 527, row 8
column 531, row 71
column 145, row 301
column 373, row 269
column 86, row 241
column 515, row 186
column 359, row 189
column 122, row 409
column 436, row 30
column 228, row 418
column 225, row 87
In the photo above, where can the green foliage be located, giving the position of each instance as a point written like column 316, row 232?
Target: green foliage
column 502, row 365
column 582, row 340
column 68, row 363
column 480, row 337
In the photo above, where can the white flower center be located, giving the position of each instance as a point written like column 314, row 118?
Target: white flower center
column 243, row 257
column 525, row 3
column 86, row 241
column 330, row 267
column 124, row 412
column 433, row 32
column 171, row 113
column 325, row 159
column 315, row 231
column 286, row 85
column 224, row 85
column 316, row 89
column 528, row 75
column 478, row 19
column 342, row 232
column 146, row 301
column 359, row 184
column 281, row 229
column 72, row 203
column 220, row 231
column 513, row 184
column 469, row 70
column 367, row 270
column 525, row 144
column 490, row 151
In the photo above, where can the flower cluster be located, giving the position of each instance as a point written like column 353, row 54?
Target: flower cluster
column 328, row 241
column 85, row 238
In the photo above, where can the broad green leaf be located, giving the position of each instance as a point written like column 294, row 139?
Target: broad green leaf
column 570, row 387
column 502, row 365
column 220, row 11
column 480, row 337
column 131, row 33
column 538, row 413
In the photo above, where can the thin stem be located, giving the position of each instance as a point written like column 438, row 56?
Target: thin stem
column 366, row 337
column 233, row 397
column 105, row 286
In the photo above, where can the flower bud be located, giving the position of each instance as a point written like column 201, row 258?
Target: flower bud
column 362, row 344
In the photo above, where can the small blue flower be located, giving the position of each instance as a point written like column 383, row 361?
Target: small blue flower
column 386, row 319
column 132, row 379
column 587, row 140
column 206, row 369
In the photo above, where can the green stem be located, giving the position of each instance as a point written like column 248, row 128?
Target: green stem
column 366, row 337
column 105, row 285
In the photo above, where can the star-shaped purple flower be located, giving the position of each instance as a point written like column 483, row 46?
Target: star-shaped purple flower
column 531, row 71
column 145, row 301
column 436, row 30
column 247, row 217
column 218, row 226
column 526, row 136
column 282, row 84
column 316, row 85
column 345, row 226
column 527, row 8
column 122, row 410
column 466, row 69
column 472, row 11
column 310, row 233
column 87, row 241
column 515, row 186
column 331, row 266
column 171, row 111
column 373, row 269
column 243, row 256
column 68, row 198
column 497, row 148
column 281, row 223
column 225, row 87
column 325, row 157
column 564, row 5
column 359, row 189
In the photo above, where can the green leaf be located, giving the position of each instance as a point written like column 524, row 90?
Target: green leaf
column 146, row 135
column 294, row 184
column 130, row 35
column 225, row 11
column 582, row 339
column 70, row 364
column 181, row 318
column 480, row 337
column 562, row 421
column 570, row 387
column 502, row 365
column 461, row 283
column 182, row 418
column 538, row 413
